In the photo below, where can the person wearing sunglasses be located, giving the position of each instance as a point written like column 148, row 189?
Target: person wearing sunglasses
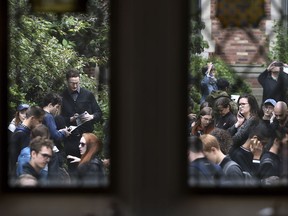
column 41, row 150
column 90, row 170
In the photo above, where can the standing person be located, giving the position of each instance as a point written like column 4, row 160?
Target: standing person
column 248, row 155
column 90, row 171
column 247, row 119
column 19, row 117
column 200, row 170
column 204, row 123
column 78, row 106
column 272, row 81
column 41, row 153
column 208, row 83
column 51, row 105
column 21, row 137
column 268, row 112
column 24, row 156
column 233, row 174
column 271, row 163
column 280, row 122
column 225, row 118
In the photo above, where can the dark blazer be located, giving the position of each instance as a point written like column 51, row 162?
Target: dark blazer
column 85, row 102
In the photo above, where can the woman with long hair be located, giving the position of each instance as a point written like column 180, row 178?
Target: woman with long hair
column 247, row 119
column 204, row 124
column 90, row 171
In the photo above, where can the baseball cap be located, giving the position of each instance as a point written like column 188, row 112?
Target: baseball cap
column 22, row 107
column 271, row 101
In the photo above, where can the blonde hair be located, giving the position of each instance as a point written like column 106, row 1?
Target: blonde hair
column 209, row 141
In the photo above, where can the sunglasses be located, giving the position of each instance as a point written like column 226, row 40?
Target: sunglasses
column 82, row 144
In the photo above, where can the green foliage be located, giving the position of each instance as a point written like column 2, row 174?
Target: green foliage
column 196, row 42
column 280, row 49
column 197, row 62
column 44, row 45
column 237, row 84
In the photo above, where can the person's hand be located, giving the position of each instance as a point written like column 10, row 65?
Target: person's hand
column 192, row 116
column 210, row 66
column 86, row 117
column 240, row 120
column 73, row 159
column 74, row 117
column 256, row 148
column 66, row 131
column 272, row 117
column 271, row 66
column 106, row 162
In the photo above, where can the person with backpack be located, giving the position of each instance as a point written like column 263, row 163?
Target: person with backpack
column 271, row 162
column 201, row 172
column 248, row 155
column 222, row 92
column 233, row 174
column 21, row 136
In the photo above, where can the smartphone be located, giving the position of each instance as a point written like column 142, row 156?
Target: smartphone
column 240, row 115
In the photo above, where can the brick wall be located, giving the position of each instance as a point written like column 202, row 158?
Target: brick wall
column 240, row 46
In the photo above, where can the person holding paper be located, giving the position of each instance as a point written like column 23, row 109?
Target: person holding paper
column 79, row 108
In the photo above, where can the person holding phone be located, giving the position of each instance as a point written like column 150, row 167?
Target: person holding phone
column 208, row 83
column 274, row 82
column 247, row 119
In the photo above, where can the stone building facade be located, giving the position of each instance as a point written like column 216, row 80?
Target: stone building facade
column 244, row 49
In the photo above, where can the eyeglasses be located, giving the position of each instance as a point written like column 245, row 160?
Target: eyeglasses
column 46, row 156
column 82, row 144
column 242, row 104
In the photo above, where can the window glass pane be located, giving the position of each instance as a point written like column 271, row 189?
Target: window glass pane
column 238, row 94
column 59, row 94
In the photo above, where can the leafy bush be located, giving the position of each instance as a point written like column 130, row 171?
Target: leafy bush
column 43, row 46
column 197, row 62
column 237, row 84
column 279, row 49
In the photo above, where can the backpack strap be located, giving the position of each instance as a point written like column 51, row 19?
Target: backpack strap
column 229, row 164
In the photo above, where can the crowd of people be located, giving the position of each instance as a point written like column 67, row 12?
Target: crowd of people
column 243, row 142
column 53, row 143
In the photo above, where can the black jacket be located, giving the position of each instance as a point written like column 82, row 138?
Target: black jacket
column 92, row 173
column 272, row 88
column 85, row 102
column 19, row 140
column 202, row 172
